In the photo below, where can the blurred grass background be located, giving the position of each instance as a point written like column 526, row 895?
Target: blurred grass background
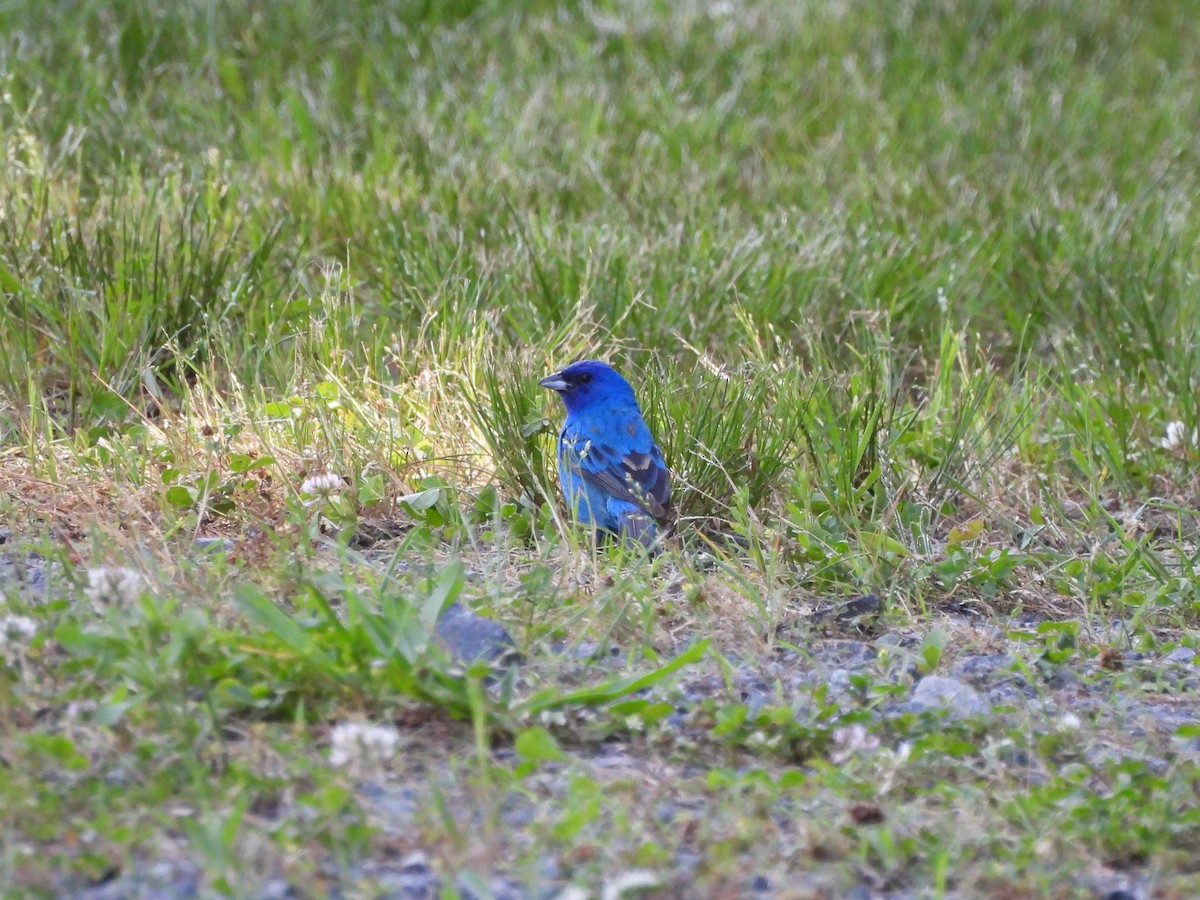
column 681, row 177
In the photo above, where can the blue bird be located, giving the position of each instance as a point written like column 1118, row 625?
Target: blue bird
column 612, row 472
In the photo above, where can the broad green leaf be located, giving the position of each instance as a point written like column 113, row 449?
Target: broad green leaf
column 9, row 283
column 968, row 531
column 882, row 543
column 538, row 744
column 261, row 610
column 422, row 501
column 180, row 497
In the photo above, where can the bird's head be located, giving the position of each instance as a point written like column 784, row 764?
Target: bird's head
column 590, row 383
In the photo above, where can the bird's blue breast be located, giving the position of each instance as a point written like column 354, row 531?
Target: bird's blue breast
column 606, row 456
column 596, row 441
column 589, row 503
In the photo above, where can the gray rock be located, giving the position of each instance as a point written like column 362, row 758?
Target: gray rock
column 839, row 681
column 23, row 574
column 983, row 668
column 278, row 889
column 518, row 812
column 1012, row 691
column 1185, row 655
column 1061, row 679
column 897, row 639
column 470, row 637
column 956, row 697
column 496, row 889
column 408, row 878
column 844, row 654
column 394, row 807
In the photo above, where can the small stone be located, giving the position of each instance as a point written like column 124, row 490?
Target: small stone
column 394, row 807
column 845, row 654
column 160, row 872
column 1061, row 678
column 278, row 889
column 956, row 697
column 470, row 637
column 416, row 863
column 1184, row 655
column 839, row 681
column 1011, row 691
column 550, row 870
column 895, row 639
column 507, row 889
column 983, row 668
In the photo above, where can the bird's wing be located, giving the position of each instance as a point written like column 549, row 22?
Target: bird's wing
column 637, row 476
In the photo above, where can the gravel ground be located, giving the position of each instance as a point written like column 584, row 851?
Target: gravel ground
column 981, row 674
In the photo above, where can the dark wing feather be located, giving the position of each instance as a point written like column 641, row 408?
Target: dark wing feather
column 639, row 478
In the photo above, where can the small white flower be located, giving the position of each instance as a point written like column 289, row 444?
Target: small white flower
column 80, row 709
column 552, row 717
column 627, row 883
column 113, row 586
column 1068, row 721
column 852, row 741
column 16, row 633
column 1177, row 439
column 322, row 486
column 362, row 742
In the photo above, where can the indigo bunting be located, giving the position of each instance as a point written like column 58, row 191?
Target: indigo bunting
column 612, row 472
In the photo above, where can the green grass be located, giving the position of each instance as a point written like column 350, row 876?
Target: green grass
column 909, row 293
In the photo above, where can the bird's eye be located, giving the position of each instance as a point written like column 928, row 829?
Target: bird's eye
column 585, row 377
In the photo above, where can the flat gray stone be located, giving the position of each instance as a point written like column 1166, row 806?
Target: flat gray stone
column 470, row 637
column 956, row 697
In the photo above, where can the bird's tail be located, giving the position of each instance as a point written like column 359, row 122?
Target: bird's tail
column 636, row 526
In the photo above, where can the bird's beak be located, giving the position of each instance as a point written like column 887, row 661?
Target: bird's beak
column 555, row 382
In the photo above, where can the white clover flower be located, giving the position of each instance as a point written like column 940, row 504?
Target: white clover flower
column 113, row 586
column 16, row 633
column 852, row 741
column 552, row 717
column 362, row 742
column 627, row 883
column 1177, row 439
column 322, row 486
column 80, row 709
column 1068, row 721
